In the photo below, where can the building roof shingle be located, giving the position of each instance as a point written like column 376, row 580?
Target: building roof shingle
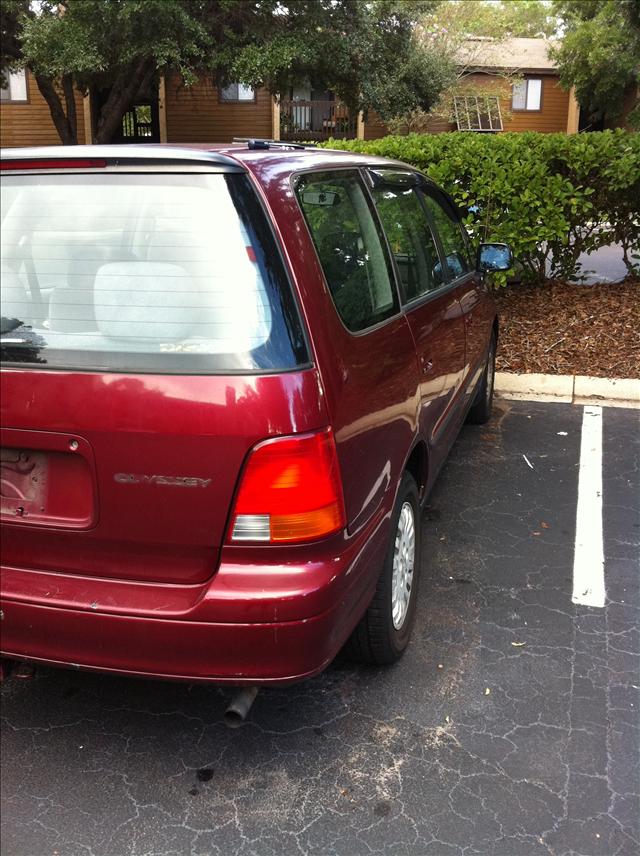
column 512, row 54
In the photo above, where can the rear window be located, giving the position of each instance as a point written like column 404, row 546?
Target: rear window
column 143, row 272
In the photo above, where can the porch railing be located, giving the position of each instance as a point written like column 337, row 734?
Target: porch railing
column 315, row 120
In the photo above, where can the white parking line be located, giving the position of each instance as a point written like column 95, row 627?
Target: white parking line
column 588, row 560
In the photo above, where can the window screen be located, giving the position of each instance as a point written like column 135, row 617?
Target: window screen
column 153, row 272
column 410, row 239
column 453, row 240
column 350, row 247
column 478, row 113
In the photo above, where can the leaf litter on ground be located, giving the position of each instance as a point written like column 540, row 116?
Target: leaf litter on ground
column 567, row 328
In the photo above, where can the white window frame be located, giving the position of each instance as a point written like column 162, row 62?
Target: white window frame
column 16, row 86
column 243, row 94
column 532, row 99
column 479, row 113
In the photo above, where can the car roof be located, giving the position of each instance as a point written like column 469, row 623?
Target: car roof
column 278, row 157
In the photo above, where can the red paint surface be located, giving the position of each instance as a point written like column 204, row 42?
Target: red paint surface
column 148, row 585
column 52, row 163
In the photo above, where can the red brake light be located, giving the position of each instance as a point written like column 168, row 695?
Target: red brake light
column 290, row 491
column 53, row 163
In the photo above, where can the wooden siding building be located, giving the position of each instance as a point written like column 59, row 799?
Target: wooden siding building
column 535, row 102
column 26, row 121
column 206, row 113
column 199, row 114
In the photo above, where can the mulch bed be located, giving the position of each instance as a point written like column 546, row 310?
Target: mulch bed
column 564, row 328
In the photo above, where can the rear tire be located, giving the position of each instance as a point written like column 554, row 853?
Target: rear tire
column 480, row 411
column 383, row 634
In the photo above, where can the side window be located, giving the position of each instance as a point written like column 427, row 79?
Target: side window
column 453, row 240
column 527, row 94
column 14, row 87
column 410, row 239
column 237, row 92
column 350, row 247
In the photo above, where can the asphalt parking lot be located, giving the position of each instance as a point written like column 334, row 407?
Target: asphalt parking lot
column 510, row 728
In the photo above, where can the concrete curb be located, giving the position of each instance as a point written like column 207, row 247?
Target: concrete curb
column 570, row 389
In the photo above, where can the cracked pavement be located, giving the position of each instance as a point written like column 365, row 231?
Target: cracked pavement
column 510, row 727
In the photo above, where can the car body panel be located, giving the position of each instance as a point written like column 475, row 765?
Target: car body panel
column 255, row 621
column 372, row 403
column 167, row 449
column 479, row 314
column 146, row 583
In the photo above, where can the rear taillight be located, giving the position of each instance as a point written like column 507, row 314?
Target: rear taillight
column 290, row 491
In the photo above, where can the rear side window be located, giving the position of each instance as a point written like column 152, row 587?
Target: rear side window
column 410, row 239
column 450, row 230
column 349, row 246
column 143, row 272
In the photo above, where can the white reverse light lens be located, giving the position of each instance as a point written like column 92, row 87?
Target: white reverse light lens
column 251, row 527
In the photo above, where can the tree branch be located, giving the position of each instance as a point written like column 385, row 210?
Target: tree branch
column 128, row 83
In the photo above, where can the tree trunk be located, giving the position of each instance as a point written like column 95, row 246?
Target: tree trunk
column 66, row 131
column 128, row 83
column 70, row 101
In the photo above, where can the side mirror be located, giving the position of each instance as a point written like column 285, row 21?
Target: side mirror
column 492, row 257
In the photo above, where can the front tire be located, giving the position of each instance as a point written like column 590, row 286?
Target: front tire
column 383, row 634
column 480, row 411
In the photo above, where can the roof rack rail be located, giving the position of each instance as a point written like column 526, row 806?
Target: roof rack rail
column 258, row 143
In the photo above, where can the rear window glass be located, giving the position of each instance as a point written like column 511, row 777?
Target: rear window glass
column 143, row 272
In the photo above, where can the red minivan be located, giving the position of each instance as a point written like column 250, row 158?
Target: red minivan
column 229, row 379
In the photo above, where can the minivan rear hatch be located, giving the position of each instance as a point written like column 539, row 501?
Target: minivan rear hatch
column 150, row 337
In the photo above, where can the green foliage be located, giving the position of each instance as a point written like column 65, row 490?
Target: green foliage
column 362, row 49
column 499, row 19
column 550, row 196
column 414, row 81
column 600, row 54
column 459, row 36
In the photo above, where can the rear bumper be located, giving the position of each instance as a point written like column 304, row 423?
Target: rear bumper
column 250, row 624
column 161, row 648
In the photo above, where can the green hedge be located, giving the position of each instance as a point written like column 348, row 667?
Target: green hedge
column 551, row 196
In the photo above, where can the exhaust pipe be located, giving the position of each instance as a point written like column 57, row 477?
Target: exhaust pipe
column 236, row 713
column 23, row 671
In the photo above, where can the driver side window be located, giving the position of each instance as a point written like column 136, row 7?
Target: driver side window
column 453, row 240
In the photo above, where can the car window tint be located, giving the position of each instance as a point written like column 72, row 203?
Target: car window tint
column 350, row 247
column 450, row 230
column 410, row 239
